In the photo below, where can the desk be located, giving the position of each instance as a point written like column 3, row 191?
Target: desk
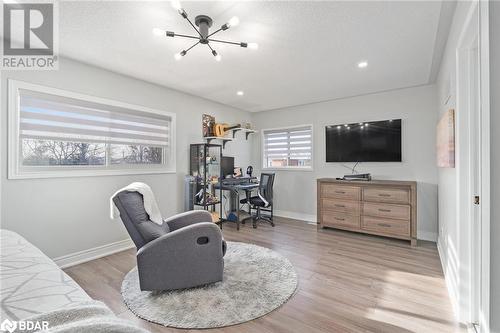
column 236, row 186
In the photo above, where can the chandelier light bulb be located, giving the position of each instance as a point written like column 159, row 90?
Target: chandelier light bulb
column 218, row 57
column 253, row 46
column 234, row 21
column 176, row 4
column 178, row 56
column 158, row 32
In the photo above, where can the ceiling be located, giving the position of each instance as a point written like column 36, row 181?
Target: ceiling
column 308, row 51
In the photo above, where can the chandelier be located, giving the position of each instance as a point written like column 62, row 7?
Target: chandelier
column 203, row 36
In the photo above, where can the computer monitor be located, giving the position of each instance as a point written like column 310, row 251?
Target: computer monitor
column 227, row 166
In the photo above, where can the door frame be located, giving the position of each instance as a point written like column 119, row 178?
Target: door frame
column 474, row 235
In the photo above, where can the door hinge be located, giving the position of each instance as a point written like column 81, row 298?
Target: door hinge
column 476, row 200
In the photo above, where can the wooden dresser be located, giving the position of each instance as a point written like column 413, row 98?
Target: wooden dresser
column 380, row 207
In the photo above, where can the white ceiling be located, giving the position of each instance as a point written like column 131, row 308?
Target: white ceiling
column 307, row 53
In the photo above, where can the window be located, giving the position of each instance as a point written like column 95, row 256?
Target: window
column 289, row 148
column 55, row 133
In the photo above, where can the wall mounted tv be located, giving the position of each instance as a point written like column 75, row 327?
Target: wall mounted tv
column 372, row 141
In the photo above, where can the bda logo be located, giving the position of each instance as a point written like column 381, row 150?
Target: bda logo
column 8, row 326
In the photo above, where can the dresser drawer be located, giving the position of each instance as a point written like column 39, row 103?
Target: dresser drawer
column 340, row 192
column 401, row 212
column 342, row 206
column 340, row 219
column 393, row 195
column 386, row 226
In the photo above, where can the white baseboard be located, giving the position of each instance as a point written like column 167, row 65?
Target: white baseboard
column 76, row 258
column 449, row 285
column 296, row 216
column 428, row 236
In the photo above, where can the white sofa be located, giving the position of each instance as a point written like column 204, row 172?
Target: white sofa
column 34, row 288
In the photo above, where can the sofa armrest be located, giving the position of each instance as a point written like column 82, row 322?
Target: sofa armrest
column 188, row 218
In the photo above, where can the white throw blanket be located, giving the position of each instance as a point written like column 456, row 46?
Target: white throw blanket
column 89, row 317
column 150, row 204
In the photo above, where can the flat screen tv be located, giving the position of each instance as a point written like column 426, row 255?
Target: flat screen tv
column 372, row 141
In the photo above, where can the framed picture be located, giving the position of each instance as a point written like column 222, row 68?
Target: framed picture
column 446, row 140
column 207, row 122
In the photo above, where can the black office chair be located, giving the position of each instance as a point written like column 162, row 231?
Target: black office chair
column 263, row 201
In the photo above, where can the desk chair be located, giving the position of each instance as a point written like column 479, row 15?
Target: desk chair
column 263, row 201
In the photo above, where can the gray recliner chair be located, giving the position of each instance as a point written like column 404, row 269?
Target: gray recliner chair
column 186, row 251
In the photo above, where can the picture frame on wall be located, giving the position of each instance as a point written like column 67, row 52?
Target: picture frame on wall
column 208, row 123
column 445, row 140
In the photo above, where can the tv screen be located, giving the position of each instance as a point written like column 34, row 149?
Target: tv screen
column 373, row 141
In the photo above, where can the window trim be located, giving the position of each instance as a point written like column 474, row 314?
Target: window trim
column 17, row 171
column 287, row 168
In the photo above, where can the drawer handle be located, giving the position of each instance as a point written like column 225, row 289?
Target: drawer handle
column 341, row 192
column 341, row 206
column 384, row 195
column 384, row 210
column 385, row 225
column 339, row 219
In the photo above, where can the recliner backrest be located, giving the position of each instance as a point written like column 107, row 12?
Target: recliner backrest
column 136, row 220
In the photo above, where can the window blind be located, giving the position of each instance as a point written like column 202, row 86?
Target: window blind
column 49, row 117
column 289, row 144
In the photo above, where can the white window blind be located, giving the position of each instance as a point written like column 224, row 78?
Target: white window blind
column 288, row 148
column 44, row 116
column 58, row 133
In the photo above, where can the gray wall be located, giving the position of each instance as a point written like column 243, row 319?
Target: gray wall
column 66, row 215
column 296, row 190
column 495, row 164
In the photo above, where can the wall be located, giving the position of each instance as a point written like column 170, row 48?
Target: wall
column 495, row 165
column 66, row 215
column 295, row 191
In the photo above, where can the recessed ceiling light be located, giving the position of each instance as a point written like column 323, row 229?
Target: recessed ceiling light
column 240, row 93
column 362, row 64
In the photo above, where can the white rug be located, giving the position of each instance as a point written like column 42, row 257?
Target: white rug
column 256, row 281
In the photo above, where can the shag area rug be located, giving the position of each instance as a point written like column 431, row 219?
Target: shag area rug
column 256, row 281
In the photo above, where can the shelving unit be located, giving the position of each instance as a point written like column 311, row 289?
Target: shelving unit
column 247, row 131
column 205, row 168
column 223, row 139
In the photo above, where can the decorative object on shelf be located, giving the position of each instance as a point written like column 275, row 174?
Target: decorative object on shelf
column 208, row 123
column 203, row 36
column 221, row 130
column 246, row 125
column 446, row 140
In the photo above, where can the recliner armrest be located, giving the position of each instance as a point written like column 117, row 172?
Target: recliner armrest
column 184, row 241
column 188, row 218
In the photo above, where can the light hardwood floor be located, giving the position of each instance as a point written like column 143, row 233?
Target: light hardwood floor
column 347, row 282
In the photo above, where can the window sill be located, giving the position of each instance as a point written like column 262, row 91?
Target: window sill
column 84, row 173
column 308, row 169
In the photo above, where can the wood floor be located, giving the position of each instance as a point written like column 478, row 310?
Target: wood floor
column 347, row 282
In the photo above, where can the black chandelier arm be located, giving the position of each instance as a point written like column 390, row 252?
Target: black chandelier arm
column 188, row 49
column 173, row 34
column 228, row 42
column 199, row 33
column 213, row 33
